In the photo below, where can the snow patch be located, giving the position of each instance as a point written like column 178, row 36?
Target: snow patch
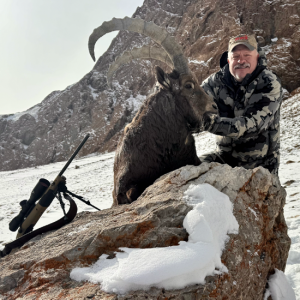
column 286, row 42
column 202, row 62
column 32, row 111
column 279, row 287
column 176, row 266
column 135, row 102
column 254, row 212
column 93, row 92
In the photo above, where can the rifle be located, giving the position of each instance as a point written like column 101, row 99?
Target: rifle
column 30, row 212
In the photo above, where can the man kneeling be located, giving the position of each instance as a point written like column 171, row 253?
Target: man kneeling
column 248, row 96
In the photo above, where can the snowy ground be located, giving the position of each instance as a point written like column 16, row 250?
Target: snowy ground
column 94, row 180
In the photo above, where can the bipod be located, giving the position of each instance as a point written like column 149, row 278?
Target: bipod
column 80, row 198
column 62, row 204
column 62, row 188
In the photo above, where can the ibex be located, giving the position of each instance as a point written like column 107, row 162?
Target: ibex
column 159, row 138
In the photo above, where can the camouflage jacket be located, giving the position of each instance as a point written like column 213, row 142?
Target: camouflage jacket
column 247, row 127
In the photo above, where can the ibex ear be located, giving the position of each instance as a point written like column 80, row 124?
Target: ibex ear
column 162, row 78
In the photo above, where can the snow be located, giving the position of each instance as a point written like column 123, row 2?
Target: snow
column 254, row 212
column 31, row 111
column 279, row 287
column 176, row 266
column 131, row 102
column 202, row 62
column 286, row 42
column 134, row 103
column 94, row 93
column 94, row 181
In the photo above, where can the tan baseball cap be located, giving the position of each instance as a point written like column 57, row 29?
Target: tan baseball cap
column 243, row 39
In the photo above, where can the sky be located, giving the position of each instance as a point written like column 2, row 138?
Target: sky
column 44, row 45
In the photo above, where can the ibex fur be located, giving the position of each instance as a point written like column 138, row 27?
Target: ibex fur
column 159, row 138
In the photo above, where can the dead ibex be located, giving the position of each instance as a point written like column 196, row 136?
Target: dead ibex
column 159, row 138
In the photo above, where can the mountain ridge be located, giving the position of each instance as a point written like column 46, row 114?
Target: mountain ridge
column 50, row 131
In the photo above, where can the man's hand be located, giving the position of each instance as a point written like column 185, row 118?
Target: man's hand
column 209, row 120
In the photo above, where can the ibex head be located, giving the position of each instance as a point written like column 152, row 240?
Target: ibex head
column 181, row 82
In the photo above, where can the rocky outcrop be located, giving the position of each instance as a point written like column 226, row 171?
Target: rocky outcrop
column 41, row 268
column 50, row 131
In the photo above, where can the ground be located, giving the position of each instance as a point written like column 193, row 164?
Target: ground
column 92, row 177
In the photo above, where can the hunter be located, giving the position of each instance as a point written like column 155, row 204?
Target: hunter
column 248, row 96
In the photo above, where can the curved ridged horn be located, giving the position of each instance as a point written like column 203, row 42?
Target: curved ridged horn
column 143, row 52
column 156, row 33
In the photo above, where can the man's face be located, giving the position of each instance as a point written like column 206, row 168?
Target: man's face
column 242, row 61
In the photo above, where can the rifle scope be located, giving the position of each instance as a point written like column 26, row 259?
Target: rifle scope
column 28, row 205
column 46, row 198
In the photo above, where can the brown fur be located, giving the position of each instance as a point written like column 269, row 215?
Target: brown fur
column 159, row 138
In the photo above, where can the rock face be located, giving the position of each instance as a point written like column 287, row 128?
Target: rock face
column 49, row 131
column 41, row 268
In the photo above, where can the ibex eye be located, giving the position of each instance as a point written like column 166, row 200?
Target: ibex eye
column 189, row 85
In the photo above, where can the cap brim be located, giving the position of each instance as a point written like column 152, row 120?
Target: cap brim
column 250, row 47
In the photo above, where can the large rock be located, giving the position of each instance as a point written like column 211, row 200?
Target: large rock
column 41, row 268
column 49, row 131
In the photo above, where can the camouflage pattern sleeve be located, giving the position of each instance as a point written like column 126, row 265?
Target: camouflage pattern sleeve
column 210, row 87
column 259, row 112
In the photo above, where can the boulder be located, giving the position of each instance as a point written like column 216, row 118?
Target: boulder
column 41, row 268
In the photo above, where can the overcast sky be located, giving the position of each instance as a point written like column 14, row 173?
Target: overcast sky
column 44, row 45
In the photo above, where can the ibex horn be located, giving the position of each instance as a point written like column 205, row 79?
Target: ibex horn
column 156, row 33
column 146, row 51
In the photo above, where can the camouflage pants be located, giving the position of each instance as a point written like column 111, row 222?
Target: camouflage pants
column 271, row 164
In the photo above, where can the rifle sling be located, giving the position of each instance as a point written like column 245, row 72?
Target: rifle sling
column 52, row 226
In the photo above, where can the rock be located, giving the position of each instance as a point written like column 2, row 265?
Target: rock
column 41, row 268
column 295, row 92
column 50, row 131
column 289, row 182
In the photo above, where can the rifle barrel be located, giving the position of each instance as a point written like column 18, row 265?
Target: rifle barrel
column 74, row 154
